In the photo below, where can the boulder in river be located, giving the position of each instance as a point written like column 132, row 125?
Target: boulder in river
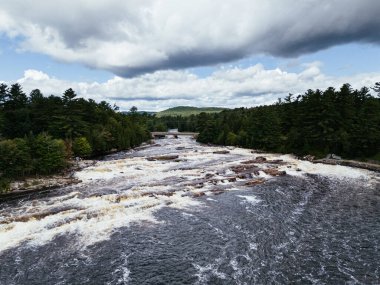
column 221, row 152
column 255, row 182
column 198, row 194
column 259, row 159
column 274, row 172
column 243, row 169
column 333, row 156
column 308, row 157
column 162, row 157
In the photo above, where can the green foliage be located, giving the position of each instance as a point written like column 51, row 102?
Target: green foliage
column 15, row 158
column 160, row 127
column 48, row 154
column 40, row 133
column 5, row 184
column 376, row 88
column 81, row 147
column 345, row 122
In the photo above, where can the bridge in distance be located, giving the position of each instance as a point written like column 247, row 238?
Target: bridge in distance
column 174, row 134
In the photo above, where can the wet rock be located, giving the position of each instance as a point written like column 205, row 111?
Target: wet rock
column 245, row 176
column 198, row 194
column 194, row 182
column 30, row 185
column 155, row 194
column 333, row 156
column 163, row 157
column 214, row 181
column 199, row 185
column 274, row 172
column 254, row 182
column 259, row 159
column 231, row 179
column 248, row 161
column 257, row 151
column 276, row 161
column 245, row 169
column 308, row 157
column 217, row 191
column 351, row 163
column 221, row 152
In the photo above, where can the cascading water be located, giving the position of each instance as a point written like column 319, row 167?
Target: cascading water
column 214, row 215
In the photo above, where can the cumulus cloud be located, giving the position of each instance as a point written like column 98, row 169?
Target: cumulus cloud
column 228, row 87
column 133, row 37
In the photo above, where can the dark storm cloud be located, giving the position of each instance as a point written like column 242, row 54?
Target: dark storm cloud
column 134, row 37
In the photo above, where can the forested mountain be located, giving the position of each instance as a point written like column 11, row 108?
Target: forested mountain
column 38, row 134
column 344, row 122
column 186, row 111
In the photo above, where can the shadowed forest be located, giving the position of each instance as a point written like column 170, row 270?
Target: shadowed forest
column 39, row 134
column 344, row 122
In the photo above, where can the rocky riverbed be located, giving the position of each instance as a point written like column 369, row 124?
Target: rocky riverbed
column 184, row 213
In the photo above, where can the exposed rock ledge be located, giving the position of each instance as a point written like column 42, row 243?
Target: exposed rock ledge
column 31, row 185
column 351, row 163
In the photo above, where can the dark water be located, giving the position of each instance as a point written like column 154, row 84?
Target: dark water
column 310, row 230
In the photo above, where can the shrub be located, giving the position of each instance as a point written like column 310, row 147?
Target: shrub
column 15, row 158
column 81, row 147
column 49, row 154
column 4, row 185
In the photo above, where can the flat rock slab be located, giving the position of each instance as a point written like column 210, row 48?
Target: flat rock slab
column 351, row 163
column 221, row 152
column 163, row 157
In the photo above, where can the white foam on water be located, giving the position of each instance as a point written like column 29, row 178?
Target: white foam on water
column 250, row 199
column 205, row 272
column 335, row 171
column 122, row 270
column 140, row 188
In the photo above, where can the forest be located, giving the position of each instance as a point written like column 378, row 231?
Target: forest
column 345, row 122
column 39, row 134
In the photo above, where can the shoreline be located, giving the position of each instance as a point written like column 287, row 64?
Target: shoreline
column 349, row 163
column 41, row 184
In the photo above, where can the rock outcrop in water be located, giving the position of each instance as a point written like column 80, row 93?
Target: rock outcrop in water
column 199, row 217
column 162, row 157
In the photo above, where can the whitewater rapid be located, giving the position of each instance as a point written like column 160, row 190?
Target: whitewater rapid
column 130, row 190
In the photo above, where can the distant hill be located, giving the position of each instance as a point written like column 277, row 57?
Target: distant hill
column 185, row 111
column 140, row 112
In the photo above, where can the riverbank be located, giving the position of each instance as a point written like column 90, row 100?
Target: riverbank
column 39, row 184
column 30, row 185
column 140, row 209
column 350, row 163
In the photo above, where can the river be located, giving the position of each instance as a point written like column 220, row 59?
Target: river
column 214, row 215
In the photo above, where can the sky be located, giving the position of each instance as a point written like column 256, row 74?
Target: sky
column 156, row 54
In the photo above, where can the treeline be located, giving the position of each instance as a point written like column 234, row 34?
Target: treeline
column 344, row 122
column 39, row 134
